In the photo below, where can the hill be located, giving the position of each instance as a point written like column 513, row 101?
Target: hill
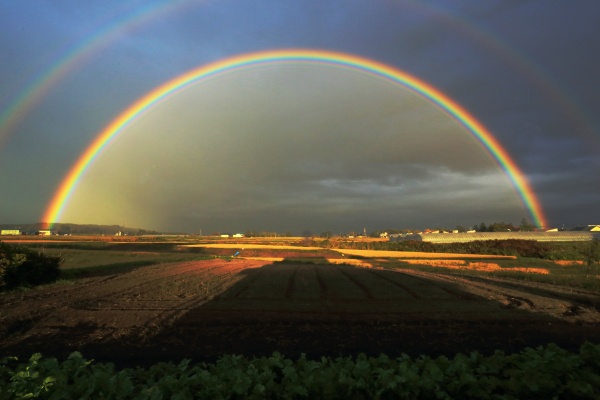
column 78, row 229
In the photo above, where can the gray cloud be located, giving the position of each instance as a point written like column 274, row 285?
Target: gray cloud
column 293, row 148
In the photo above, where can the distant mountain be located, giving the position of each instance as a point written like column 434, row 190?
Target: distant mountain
column 78, row 229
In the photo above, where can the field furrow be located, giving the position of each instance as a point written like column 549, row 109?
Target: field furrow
column 206, row 307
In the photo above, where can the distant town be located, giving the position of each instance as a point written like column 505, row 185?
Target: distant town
column 495, row 231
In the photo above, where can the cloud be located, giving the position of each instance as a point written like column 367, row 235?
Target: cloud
column 276, row 142
column 301, row 147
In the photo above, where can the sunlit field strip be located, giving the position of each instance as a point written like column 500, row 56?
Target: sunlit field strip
column 251, row 246
column 475, row 266
column 349, row 261
column 360, row 253
column 414, row 254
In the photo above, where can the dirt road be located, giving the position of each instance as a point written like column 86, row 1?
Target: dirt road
column 202, row 309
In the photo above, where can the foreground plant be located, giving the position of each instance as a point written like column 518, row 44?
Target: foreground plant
column 545, row 372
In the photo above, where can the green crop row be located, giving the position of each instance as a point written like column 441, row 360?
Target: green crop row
column 543, row 373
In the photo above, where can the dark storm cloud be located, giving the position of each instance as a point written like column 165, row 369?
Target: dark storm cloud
column 526, row 70
column 292, row 141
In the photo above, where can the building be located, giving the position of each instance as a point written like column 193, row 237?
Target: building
column 45, row 232
column 562, row 236
column 10, row 232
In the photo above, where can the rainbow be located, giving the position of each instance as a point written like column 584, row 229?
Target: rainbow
column 111, row 131
column 76, row 56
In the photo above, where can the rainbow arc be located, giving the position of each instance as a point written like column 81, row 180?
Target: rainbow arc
column 69, row 183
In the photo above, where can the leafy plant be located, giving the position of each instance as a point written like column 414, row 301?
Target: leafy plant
column 544, row 372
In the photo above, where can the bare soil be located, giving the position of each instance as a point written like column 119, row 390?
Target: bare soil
column 203, row 309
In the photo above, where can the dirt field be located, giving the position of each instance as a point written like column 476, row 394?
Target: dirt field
column 202, row 309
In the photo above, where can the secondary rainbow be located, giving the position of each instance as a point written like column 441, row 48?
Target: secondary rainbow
column 111, row 131
column 26, row 100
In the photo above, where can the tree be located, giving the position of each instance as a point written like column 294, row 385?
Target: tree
column 377, row 233
column 395, row 231
column 501, row 227
column 526, row 226
column 482, row 228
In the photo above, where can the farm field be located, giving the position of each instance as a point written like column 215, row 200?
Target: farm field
column 312, row 302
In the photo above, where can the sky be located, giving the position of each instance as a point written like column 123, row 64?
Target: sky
column 300, row 146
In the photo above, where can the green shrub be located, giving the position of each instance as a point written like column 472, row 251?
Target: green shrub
column 23, row 267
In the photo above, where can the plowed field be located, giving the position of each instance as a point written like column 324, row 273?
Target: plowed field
column 202, row 309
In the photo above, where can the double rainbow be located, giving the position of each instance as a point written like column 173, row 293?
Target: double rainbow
column 489, row 142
